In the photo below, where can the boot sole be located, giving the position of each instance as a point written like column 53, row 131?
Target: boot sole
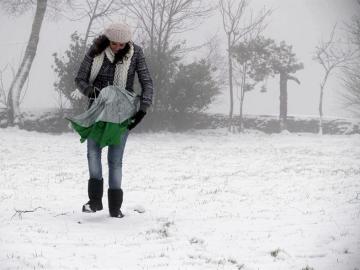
column 89, row 210
column 119, row 215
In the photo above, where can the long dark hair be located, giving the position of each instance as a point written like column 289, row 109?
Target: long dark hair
column 102, row 42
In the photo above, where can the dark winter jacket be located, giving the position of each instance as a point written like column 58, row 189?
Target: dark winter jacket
column 106, row 73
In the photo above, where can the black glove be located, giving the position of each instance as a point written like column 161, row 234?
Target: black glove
column 136, row 119
column 92, row 91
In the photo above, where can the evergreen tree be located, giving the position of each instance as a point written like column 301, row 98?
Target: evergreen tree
column 67, row 67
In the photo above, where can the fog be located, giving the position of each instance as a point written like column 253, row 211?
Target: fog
column 299, row 23
column 197, row 195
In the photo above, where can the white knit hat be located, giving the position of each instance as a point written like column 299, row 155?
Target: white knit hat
column 118, row 32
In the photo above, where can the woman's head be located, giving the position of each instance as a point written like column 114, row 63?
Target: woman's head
column 118, row 33
column 118, row 37
column 116, row 46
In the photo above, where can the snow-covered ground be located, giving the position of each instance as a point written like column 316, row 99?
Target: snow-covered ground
column 212, row 200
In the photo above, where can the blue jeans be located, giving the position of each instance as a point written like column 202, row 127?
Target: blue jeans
column 115, row 157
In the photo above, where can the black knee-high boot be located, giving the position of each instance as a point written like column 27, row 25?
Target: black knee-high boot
column 95, row 192
column 115, row 198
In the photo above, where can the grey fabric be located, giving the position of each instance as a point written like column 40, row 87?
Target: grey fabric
column 114, row 105
column 106, row 76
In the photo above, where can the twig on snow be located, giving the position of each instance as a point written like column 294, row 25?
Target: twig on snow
column 62, row 214
column 20, row 212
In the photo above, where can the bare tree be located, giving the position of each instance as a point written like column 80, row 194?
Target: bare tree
column 16, row 91
column 25, row 66
column 93, row 10
column 159, row 22
column 161, row 19
column 351, row 97
column 351, row 75
column 236, row 27
column 330, row 56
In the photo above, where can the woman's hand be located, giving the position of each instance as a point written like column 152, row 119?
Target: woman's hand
column 136, row 119
column 77, row 95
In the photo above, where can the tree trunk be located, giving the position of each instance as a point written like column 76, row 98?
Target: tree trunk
column 241, row 121
column 284, row 77
column 230, row 85
column 24, row 69
column 242, row 97
column 321, row 111
column 283, row 101
column 322, row 86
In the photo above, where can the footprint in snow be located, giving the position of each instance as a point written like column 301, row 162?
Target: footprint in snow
column 139, row 209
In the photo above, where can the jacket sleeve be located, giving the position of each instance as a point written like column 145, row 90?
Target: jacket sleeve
column 145, row 80
column 83, row 75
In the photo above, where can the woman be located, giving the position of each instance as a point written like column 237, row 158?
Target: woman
column 112, row 60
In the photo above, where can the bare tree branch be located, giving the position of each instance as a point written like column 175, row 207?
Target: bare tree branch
column 331, row 56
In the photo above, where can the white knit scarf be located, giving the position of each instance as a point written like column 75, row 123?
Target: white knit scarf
column 121, row 69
